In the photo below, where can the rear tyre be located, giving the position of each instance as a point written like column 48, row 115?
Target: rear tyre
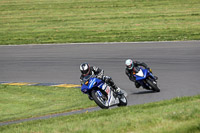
column 153, row 85
column 100, row 101
column 122, row 101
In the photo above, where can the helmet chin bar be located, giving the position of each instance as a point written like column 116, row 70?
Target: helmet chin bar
column 130, row 66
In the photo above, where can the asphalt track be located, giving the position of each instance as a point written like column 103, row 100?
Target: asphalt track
column 176, row 64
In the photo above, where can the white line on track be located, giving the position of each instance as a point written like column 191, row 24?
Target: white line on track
column 99, row 43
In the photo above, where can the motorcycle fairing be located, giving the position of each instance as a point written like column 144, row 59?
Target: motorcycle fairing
column 98, row 83
column 150, row 74
column 111, row 99
column 142, row 74
column 92, row 82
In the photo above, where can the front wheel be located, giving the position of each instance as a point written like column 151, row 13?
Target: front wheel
column 153, row 85
column 101, row 101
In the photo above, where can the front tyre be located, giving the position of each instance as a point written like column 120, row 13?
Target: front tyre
column 101, row 101
column 122, row 101
column 153, row 85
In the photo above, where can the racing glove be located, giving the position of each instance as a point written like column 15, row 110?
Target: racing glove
column 100, row 76
column 106, row 79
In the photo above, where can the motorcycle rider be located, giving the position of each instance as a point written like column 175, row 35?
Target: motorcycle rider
column 86, row 69
column 133, row 67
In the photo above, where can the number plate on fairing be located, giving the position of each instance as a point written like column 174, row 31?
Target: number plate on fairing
column 140, row 73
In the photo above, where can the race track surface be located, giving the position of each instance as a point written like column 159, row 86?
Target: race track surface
column 176, row 64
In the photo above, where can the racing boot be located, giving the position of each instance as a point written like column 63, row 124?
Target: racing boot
column 117, row 89
column 109, row 81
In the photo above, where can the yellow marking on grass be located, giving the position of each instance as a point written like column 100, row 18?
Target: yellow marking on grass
column 19, row 83
column 67, row 85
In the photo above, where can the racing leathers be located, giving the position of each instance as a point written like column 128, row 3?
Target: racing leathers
column 100, row 74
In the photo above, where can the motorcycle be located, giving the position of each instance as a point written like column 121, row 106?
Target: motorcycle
column 103, row 94
column 146, row 79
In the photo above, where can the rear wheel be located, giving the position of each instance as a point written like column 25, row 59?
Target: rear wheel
column 153, row 85
column 122, row 101
column 101, row 101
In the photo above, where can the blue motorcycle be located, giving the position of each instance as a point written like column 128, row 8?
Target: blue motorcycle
column 102, row 93
column 146, row 79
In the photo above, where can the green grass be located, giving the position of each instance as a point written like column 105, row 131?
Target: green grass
column 179, row 115
column 69, row 21
column 18, row 102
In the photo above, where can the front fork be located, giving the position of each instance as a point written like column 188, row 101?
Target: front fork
column 152, row 79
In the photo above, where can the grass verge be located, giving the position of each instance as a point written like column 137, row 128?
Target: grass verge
column 69, row 21
column 18, row 102
column 179, row 115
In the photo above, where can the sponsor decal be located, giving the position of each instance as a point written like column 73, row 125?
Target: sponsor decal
column 107, row 89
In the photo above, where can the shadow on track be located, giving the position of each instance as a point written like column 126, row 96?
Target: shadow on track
column 143, row 92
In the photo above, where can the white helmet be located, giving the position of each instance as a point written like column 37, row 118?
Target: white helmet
column 129, row 64
column 85, row 68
